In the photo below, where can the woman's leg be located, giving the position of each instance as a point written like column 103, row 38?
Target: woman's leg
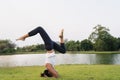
column 48, row 42
column 61, row 48
column 51, row 69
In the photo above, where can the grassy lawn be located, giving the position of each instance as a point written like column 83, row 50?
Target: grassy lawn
column 67, row 72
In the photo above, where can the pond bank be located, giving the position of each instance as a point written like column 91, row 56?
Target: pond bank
column 94, row 52
column 68, row 52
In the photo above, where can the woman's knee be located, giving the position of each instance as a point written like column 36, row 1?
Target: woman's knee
column 39, row 28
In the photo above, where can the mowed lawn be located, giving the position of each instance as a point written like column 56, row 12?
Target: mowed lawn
column 67, row 72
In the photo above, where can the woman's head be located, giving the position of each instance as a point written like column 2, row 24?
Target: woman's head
column 46, row 73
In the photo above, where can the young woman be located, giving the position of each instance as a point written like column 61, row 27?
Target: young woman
column 50, row 46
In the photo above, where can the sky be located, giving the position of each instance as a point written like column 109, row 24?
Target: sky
column 76, row 17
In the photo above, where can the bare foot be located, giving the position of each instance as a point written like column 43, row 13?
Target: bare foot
column 61, row 34
column 23, row 37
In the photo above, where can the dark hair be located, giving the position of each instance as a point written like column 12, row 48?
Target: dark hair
column 46, row 73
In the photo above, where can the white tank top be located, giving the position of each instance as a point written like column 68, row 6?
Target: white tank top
column 50, row 58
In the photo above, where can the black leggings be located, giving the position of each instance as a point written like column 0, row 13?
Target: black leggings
column 49, row 44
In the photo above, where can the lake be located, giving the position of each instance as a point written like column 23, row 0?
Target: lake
column 38, row 59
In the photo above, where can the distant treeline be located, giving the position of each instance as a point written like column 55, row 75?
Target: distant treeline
column 99, row 40
column 6, row 46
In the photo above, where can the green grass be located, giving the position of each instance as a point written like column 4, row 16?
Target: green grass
column 68, row 52
column 67, row 72
column 94, row 52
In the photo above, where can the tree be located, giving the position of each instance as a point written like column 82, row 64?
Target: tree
column 103, row 41
column 118, row 43
column 31, row 48
column 73, row 45
column 99, row 45
column 78, row 45
column 86, row 45
column 6, row 46
column 98, row 33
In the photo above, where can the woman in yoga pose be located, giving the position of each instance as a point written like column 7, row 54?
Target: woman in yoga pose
column 50, row 47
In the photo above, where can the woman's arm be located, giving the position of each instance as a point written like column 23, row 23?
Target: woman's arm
column 52, row 70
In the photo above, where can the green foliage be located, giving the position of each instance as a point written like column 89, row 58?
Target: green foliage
column 73, row 45
column 32, row 48
column 118, row 43
column 103, row 40
column 99, row 32
column 86, row 45
column 99, row 45
column 99, row 40
column 6, row 46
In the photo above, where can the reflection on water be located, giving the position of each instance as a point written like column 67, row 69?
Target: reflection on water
column 38, row 59
column 22, row 60
column 105, row 59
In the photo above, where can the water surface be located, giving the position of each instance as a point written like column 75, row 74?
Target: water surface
column 38, row 59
